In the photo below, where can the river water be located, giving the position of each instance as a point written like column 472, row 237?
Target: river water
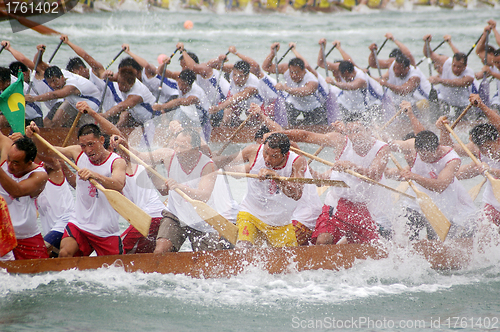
column 399, row 293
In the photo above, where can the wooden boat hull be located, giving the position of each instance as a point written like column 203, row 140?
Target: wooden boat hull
column 225, row 263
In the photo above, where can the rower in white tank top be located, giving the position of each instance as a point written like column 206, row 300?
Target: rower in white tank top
column 264, row 200
column 22, row 209
column 141, row 112
column 359, row 190
column 309, row 205
column 177, row 205
column 93, row 213
column 208, row 85
column 454, row 201
column 488, row 195
column 39, row 88
column 393, row 79
column 113, row 95
column 168, row 90
column 306, row 103
column 88, row 91
column 141, row 191
column 253, row 82
column 56, row 206
column 267, row 90
column 455, row 96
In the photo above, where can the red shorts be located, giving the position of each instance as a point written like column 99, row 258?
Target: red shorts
column 135, row 243
column 352, row 220
column 302, row 233
column 88, row 242
column 31, row 248
column 492, row 214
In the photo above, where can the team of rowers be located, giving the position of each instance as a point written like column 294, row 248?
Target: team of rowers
column 274, row 211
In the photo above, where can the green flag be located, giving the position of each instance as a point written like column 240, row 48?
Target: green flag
column 12, row 105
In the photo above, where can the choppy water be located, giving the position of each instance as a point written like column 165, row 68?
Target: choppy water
column 401, row 289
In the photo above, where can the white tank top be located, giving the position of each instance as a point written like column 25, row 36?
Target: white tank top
column 141, row 191
column 22, row 209
column 168, row 89
column 495, row 99
column 359, row 190
column 307, row 103
column 88, row 92
column 393, row 79
column 143, row 111
column 454, row 201
column 488, row 196
column 309, row 205
column 56, row 206
column 253, row 82
column 455, row 96
column 113, row 95
column 267, row 90
column 354, row 100
column 197, row 113
column 264, row 199
column 181, row 208
column 208, row 85
column 93, row 213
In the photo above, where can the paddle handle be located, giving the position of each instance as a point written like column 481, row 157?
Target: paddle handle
column 315, row 153
column 378, row 64
column 1, row 49
column 326, row 55
column 276, row 65
column 433, row 50
column 454, row 124
column 37, row 62
column 336, row 183
column 226, row 144
column 163, row 77
column 466, row 149
column 284, row 55
column 140, row 161
column 67, row 160
column 72, row 129
column 377, row 53
column 391, row 119
column 114, row 59
column 348, row 171
column 103, row 95
column 54, row 54
column 474, row 45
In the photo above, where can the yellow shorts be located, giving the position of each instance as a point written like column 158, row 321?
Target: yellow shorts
column 255, row 231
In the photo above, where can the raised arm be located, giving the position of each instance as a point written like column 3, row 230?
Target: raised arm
column 18, row 55
column 96, row 66
column 447, row 39
column 268, row 64
column 254, row 65
column 405, row 50
column 384, row 64
column 439, row 59
column 150, row 69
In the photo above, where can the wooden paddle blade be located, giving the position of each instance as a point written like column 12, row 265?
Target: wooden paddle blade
column 128, row 210
column 321, row 190
column 436, row 218
column 31, row 24
column 474, row 192
column 225, row 228
column 403, row 186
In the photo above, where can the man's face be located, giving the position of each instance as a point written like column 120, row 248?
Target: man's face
column 183, row 86
column 357, row 133
column 427, row 156
column 123, row 85
column 296, row 73
column 15, row 162
column 400, row 70
column 458, row 67
column 496, row 61
column 273, row 157
column 490, row 148
column 4, row 85
column 182, row 144
column 56, row 83
column 347, row 76
column 239, row 77
column 92, row 146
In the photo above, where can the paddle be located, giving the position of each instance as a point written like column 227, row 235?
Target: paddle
column 315, row 154
column 55, row 51
column 436, row 218
column 72, row 129
column 474, row 191
column 225, row 228
column 434, row 50
column 351, row 172
column 33, row 72
column 128, row 210
column 433, row 95
column 461, row 116
column 31, row 24
column 284, row 55
column 495, row 183
column 107, row 80
column 1, row 49
column 375, row 54
column 326, row 55
column 163, row 77
column 322, row 182
column 391, row 119
column 225, row 145
column 474, row 45
column 220, row 76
